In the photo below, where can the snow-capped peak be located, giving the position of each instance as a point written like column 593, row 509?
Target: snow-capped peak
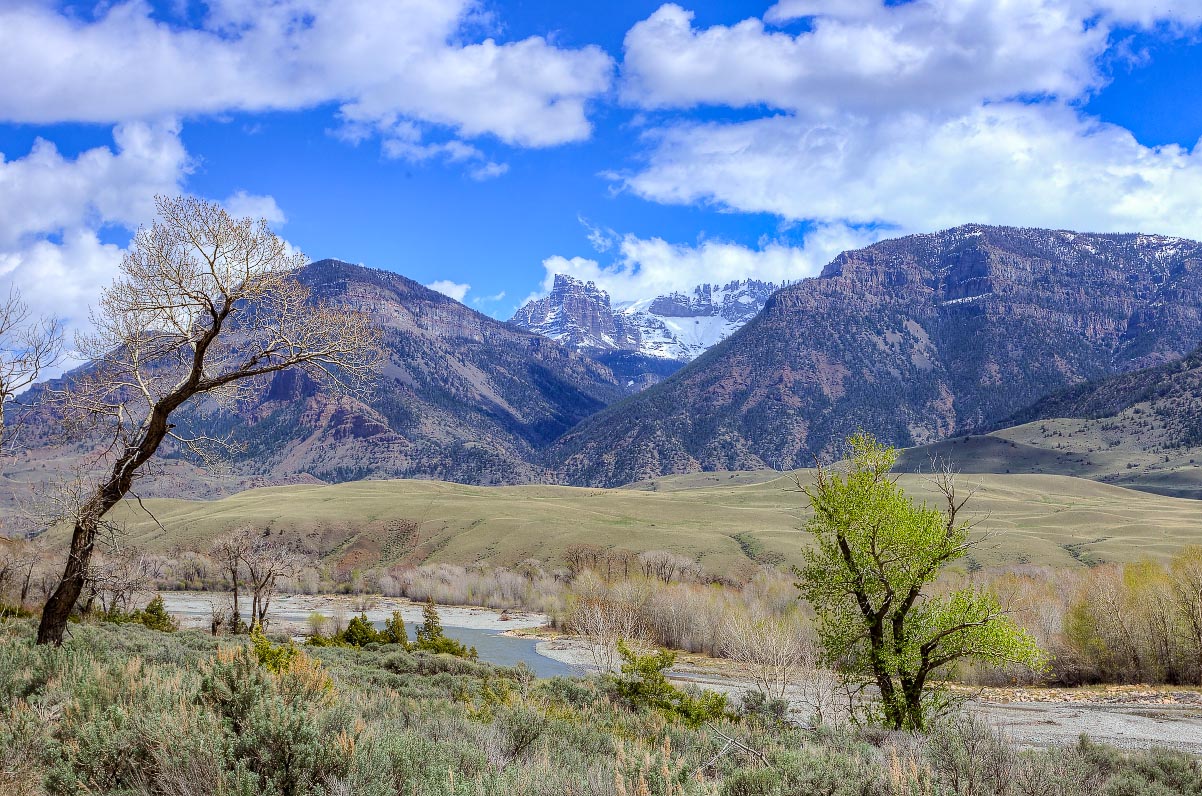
column 676, row 326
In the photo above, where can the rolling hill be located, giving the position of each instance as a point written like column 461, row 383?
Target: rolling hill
column 731, row 522
column 1142, row 430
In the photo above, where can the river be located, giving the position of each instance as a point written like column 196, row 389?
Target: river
column 482, row 628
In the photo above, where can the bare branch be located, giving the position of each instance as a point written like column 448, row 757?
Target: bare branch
column 203, row 304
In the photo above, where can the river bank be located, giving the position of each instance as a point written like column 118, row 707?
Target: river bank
column 1127, row 716
column 290, row 613
column 1124, row 716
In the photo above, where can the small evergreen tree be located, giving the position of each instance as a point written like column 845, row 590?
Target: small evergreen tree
column 155, row 616
column 644, row 683
column 394, row 631
column 430, row 637
column 359, row 632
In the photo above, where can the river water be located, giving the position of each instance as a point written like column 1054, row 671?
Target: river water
column 481, row 628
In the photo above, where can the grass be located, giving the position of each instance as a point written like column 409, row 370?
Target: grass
column 1106, row 450
column 730, row 522
column 131, row 711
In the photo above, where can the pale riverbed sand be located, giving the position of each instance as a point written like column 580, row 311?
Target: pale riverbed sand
column 1126, row 717
column 290, row 612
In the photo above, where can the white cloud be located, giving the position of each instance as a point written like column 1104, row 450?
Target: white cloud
column 45, row 193
column 645, row 268
column 446, row 287
column 61, row 279
column 913, row 116
column 243, row 205
column 488, row 299
column 864, row 56
column 55, row 209
column 488, row 171
column 1010, row 164
column 385, row 64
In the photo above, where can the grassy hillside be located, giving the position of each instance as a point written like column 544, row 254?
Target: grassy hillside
column 1112, row 450
column 731, row 522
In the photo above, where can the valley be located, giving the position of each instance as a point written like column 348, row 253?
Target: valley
column 731, row 523
column 463, row 398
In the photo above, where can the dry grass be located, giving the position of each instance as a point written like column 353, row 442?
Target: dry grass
column 731, row 522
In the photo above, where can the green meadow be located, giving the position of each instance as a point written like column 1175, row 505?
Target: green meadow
column 730, row 522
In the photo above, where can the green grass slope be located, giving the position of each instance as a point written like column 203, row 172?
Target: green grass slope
column 1110, row 450
column 730, row 522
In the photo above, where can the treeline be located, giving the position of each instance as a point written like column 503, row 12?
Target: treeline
column 1132, row 623
column 1117, row 623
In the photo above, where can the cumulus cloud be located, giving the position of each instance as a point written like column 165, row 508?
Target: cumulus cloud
column 57, row 210
column 648, row 267
column 861, row 55
column 1008, row 163
column 385, row 64
column 909, row 117
column 446, row 287
column 243, row 205
column 54, row 207
column 45, row 193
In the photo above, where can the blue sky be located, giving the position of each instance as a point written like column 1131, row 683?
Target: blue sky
column 648, row 146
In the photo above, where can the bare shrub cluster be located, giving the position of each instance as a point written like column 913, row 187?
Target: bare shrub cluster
column 1131, row 623
column 528, row 586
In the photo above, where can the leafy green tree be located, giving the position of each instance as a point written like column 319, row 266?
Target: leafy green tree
column 876, row 551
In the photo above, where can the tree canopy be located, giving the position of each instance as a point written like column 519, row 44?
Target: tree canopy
column 869, row 577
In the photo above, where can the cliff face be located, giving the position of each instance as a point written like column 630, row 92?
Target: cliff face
column 676, row 326
column 913, row 339
column 579, row 315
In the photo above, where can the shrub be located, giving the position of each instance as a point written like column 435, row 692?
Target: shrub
column 752, row 782
column 155, row 616
column 643, row 684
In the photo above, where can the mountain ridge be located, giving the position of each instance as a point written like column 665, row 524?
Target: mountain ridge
column 676, row 326
column 916, row 339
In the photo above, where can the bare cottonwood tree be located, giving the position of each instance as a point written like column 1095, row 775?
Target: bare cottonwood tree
column 229, row 551
column 668, row 566
column 28, row 347
column 773, row 651
column 118, row 578
column 267, row 559
column 203, row 304
column 606, row 615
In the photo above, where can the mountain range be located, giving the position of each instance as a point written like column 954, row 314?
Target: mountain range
column 463, row 397
column 647, row 339
column 920, row 340
column 915, row 339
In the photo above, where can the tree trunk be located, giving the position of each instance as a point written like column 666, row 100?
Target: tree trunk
column 108, row 494
column 236, row 618
column 58, row 608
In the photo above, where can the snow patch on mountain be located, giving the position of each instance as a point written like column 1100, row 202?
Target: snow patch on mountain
column 677, row 326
